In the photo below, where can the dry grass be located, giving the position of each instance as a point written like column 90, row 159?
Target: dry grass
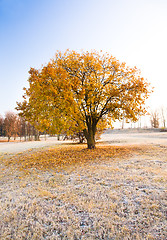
column 74, row 193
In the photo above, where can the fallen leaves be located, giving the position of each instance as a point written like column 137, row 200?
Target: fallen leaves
column 63, row 157
column 74, row 193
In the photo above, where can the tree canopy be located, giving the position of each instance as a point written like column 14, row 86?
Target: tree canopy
column 81, row 92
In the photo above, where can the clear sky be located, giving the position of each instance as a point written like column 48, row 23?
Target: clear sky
column 31, row 31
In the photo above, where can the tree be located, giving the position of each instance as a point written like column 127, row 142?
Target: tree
column 1, row 126
column 155, row 119
column 163, row 116
column 79, row 91
column 10, row 125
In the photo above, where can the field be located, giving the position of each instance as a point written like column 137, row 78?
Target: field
column 117, row 191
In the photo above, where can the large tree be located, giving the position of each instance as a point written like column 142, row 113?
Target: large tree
column 79, row 91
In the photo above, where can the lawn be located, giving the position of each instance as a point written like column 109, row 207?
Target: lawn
column 70, row 192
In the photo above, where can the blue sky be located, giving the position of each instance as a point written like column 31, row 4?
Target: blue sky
column 31, row 31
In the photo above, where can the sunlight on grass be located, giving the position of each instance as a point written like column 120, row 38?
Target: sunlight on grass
column 74, row 193
column 68, row 156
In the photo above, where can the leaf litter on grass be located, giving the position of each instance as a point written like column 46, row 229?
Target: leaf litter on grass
column 74, row 193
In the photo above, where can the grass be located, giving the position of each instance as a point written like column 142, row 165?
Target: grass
column 74, row 193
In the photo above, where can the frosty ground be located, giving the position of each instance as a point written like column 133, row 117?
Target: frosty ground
column 60, row 190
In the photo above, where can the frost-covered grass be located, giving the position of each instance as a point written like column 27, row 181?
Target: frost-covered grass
column 74, row 193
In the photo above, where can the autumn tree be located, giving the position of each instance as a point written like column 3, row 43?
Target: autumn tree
column 10, row 126
column 81, row 91
column 1, row 126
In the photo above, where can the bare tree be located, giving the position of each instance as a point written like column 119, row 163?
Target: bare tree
column 163, row 116
column 20, row 127
column 155, row 119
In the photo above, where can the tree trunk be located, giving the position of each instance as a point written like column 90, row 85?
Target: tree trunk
column 81, row 137
column 36, row 135
column 90, row 134
column 91, row 140
column 164, row 123
column 25, row 134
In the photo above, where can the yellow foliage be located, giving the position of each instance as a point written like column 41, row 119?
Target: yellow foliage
column 75, row 91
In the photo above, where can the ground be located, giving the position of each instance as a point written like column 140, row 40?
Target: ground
column 65, row 191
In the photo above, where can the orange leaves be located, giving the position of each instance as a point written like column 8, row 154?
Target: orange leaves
column 79, row 86
column 67, row 157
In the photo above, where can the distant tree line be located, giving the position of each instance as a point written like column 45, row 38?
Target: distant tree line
column 158, row 118
column 14, row 126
